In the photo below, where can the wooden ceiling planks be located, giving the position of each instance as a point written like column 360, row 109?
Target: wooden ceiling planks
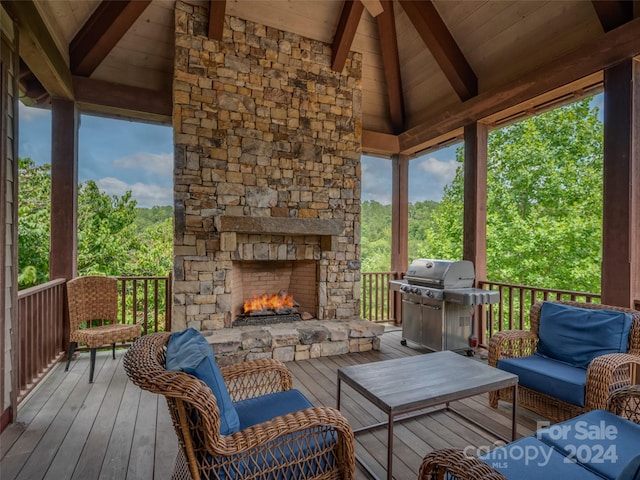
column 101, row 32
column 435, row 34
column 613, row 13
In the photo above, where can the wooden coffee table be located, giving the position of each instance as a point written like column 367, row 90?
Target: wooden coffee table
column 403, row 386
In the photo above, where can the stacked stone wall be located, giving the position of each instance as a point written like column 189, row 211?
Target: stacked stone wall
column 263, row 127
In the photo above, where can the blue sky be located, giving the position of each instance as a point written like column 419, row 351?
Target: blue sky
column 120, row 155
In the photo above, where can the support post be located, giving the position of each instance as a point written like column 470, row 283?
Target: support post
column 621, row 202
column 475, row 208
column 64, row 194
column 399, row 223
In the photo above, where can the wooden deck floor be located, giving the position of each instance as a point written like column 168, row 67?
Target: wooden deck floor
column 70, row 429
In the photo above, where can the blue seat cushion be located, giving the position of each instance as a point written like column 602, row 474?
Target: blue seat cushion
column 531, row 459
column 188, row 351
column 260, row 409
column 548, row 376
column 577, row 335
column 602, row 441
column 280, row 455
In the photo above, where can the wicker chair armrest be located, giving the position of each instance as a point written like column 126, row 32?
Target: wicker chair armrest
column 608, row 373
column 255, row 378
column 625, row 402
column 511, row 344
column 307, row 419
column 437, row 464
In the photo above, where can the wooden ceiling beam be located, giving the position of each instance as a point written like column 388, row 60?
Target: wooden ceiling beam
column 391, row 61
column 38, row 49
column 345, row 33
column 613, row 13
column 134, row 102
column 101, row 32
column 443, row 47
column 216, row 19
column 378, row 143
column 591, row 57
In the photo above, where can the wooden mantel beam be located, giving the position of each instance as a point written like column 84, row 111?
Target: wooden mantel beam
column 38, row 49
column 101, row 32
column 443, row 47
column 216, row 19
column 593, row 56
column 391, row 61
column 345, row 33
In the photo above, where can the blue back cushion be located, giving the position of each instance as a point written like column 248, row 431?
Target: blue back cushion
column 188, row 351
column 577, row 335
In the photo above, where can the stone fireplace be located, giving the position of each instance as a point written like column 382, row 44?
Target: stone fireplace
column 267, row 171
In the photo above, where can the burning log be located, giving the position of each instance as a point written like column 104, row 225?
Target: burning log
column 276, row 304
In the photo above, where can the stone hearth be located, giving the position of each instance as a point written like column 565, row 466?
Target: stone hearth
column 294, row 341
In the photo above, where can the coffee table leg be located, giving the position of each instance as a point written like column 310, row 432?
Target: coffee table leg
column 338, row 395
column 514, row 424
column 390, row 448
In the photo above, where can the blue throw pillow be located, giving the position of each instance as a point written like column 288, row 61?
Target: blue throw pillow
column 577, row 335
column 188, row 351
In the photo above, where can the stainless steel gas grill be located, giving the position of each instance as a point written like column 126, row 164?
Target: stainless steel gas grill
column 438, row 301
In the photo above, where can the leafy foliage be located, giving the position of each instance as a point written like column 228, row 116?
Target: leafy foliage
column 544, row 206
column 112, row 240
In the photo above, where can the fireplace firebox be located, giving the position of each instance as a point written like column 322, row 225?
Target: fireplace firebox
column 295, row 279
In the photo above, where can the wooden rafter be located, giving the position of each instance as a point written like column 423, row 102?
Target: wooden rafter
column 391, row 61
column 443, row 47
column 594, row 55
column 38, row 49
column 613, row 13
column 101, row 32
column 216, row 19
column 345, row 33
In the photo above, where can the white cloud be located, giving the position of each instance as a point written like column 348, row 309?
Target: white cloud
column 27, row 114
column 444, row 171
column 146, row 195
column 160, row 164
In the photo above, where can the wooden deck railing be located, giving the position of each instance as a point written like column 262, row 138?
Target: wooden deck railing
column 43, row 331
column 40, row 332
column 376, row 300
column 512, row 312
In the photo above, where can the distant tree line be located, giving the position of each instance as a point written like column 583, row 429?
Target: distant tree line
column 544, row 206
column 114, row 236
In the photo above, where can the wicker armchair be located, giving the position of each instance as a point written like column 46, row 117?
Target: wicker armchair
column 95, row 299
column 454, row 463
column 605, row 374
column 320, row 438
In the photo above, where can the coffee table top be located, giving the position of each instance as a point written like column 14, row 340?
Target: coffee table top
column 410, row 383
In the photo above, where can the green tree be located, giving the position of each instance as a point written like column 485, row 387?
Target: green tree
column 112, row 239
column 33, row 228
column 544, row 202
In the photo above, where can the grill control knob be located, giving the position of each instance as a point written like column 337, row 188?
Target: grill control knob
column 428, row 293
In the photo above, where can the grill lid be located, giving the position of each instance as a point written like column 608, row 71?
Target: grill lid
column 441, row 273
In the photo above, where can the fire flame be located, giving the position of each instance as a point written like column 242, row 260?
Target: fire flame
column 268, row 302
